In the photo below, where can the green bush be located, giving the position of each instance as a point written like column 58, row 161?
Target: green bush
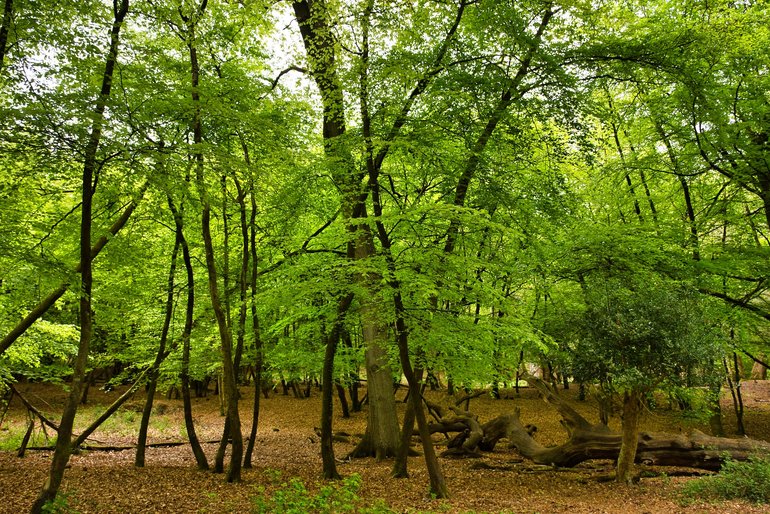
column 747, row 480
column 293, row 498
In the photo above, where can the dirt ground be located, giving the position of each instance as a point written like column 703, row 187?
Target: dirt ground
column 99, row 482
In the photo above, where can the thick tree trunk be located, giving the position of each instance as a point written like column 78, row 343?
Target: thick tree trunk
column 630, row 436
column 63, row 442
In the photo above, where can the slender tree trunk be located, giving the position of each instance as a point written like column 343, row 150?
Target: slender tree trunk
column 4, row 28
column 153, row 378
column 230, row 389
column 255, row 330
column 632, row 403
column 734, row 383
column 192, row 436
column 327, row 388
column 715, row 420
column 63, row 442
column 112, row 409
column 694, row 240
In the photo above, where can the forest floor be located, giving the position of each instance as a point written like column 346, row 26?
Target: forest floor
column 99, row 481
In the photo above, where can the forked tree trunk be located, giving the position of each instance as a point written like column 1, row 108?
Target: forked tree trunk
column 64, row 439
column 381, row 438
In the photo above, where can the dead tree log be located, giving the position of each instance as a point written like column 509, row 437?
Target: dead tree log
column 587, row 441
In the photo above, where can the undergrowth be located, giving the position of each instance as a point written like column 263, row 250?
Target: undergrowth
column 745, row 480
column 293, row 497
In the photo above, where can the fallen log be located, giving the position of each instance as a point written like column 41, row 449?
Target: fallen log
column 694, row 450
column 587, row 441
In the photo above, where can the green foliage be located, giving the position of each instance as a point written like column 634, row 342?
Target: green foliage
column 44, row 352
column 745, row 480
column 696, row 403
column 293, row 497
column 59, row 505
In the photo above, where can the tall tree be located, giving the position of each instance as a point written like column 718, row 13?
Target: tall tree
column 64, row 439
column 382, row 432
column 228, row 369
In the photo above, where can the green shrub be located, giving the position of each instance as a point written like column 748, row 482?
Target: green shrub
column 747, row 480
column 292, row 497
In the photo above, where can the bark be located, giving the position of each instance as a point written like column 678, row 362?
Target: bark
column 46, row 303
column 4, row 28
column 632, row 404
column 63, row 442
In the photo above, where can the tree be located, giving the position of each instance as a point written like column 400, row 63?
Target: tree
column 63, row 441
column 639, row 330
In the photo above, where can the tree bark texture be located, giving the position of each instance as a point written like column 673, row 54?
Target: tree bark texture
column 632, row 405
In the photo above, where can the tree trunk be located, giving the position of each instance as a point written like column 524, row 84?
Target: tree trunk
column 381, row 437
column 63, row 442
column 758, row 370
column 632, row 403
column 327, row 403
column 735, row 392
column 228, row 371
column 4, row 28
column 200, row 456
column 258, row 364
column 153, row 378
